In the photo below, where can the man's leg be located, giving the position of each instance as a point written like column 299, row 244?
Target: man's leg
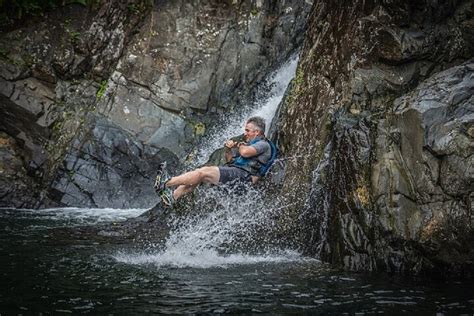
column 182, row 190
column 193, row 178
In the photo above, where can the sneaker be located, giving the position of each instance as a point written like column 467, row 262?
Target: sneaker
column 166, row 196
column 161, row 178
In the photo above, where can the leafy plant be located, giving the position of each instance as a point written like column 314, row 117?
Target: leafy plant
column 254, row 12
column 101, row 90
column 74, row 36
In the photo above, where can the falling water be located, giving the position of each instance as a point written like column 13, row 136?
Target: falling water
column 266, row 106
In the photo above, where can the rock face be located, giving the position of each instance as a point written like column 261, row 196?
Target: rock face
column 92, row 99
column 380, row 120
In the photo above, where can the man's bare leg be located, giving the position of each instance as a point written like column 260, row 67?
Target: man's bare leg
column 193, row 178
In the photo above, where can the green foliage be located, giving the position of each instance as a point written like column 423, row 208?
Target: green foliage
column 71, row 173
column 56, row 128
column 101, row 90
column 74, row 36
column 199, row 129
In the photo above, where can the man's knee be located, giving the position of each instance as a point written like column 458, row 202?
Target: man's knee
column 201, row 173
column 209, row 174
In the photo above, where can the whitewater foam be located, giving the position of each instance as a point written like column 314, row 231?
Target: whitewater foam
column 80, row 216
column 205, row 259
column 229, row 227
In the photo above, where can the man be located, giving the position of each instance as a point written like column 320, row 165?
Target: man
column 244, row 161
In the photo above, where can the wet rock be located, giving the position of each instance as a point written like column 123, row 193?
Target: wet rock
column 227, row 46
column 379, row 115
column 18, row 187
column 106, row 167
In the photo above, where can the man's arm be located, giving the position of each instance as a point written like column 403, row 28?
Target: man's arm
column 253, row 150
column 247, row 151
column 228, row 154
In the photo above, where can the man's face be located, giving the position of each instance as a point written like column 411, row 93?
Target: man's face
column 250, row 132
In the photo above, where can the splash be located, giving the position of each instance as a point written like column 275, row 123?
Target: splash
column 227, row 229
column 231, row 225
column 205, row 259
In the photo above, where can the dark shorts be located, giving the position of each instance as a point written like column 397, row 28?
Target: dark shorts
column 228, row 173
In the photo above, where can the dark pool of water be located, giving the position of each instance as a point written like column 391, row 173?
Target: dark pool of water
column 43, row 275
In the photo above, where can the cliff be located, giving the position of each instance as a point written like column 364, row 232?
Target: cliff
column 380, row 124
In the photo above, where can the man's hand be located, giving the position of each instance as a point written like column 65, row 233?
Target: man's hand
column 230, row 143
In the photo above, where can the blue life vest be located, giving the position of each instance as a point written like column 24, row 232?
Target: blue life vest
column 252, row 164
column 264, row 168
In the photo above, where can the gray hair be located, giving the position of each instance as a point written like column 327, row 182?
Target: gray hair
column 258, row 122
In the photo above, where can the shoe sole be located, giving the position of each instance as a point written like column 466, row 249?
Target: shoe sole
column 160, row 174
column 166, row 200
column 156, row 186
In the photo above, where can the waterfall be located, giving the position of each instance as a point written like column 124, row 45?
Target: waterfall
column 228, row 228
column 266, row 106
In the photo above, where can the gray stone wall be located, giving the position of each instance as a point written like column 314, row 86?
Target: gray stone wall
column 83, row 90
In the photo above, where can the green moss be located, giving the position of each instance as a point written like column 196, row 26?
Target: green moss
column 296, row 86
column 57, row 126
column 199, row 129
column 74, row 36
column 19, row 61
column 254, row 12
column 101, row 90
column 67, row 23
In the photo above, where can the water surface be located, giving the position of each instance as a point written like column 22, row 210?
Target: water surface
column 42, row 274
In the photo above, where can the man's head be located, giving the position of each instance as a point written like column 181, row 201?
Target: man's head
column 254, row 127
